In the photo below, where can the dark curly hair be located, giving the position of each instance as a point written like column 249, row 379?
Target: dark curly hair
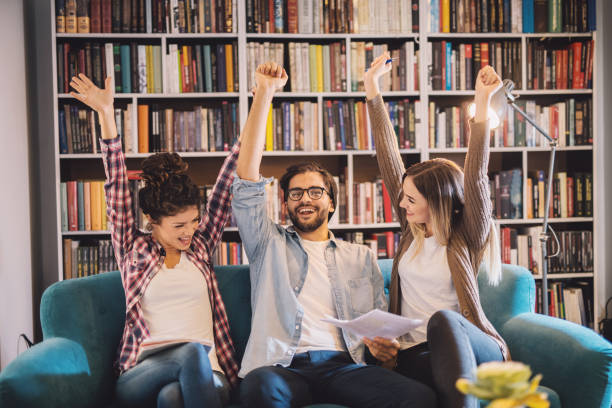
column 168, row 189
column 313, row 167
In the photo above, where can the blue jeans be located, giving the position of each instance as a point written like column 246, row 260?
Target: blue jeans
column 454, row 348
column 331, row 377
column 177, row 377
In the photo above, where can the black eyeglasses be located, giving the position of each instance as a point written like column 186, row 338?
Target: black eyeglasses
column 315, row 193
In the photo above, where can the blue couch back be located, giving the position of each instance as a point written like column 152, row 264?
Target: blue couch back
column 91, row 311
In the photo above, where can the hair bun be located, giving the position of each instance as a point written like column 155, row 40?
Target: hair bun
column 158, row 168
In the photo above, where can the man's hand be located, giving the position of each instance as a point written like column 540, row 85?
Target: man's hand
column 270, row 77
column 384, row 350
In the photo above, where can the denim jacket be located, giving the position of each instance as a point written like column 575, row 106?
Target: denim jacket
column 278, row 268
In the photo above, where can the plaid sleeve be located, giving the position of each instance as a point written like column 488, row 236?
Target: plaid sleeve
column 118, row 198
column 218, row 207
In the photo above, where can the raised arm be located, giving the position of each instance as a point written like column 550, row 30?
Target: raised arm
column 218, row 208
column 118, row 198
column 269, row 78
column 477, row 210
column 249, row 201
column 387, row 151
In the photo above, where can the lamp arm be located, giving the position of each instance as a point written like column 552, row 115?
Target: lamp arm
column 545, row 227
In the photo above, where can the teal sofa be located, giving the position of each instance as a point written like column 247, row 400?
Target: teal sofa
column 82, row 322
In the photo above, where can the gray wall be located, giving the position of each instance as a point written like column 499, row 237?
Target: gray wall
column 16, row 310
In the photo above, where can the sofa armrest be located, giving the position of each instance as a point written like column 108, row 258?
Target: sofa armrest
column 574, row 361
column 54, row 373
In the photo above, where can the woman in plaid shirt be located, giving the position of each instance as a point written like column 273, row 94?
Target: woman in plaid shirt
column 170, row 286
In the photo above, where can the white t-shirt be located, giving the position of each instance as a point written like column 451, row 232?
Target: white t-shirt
column 176, row 305
column 317, row 302
column 426, row 285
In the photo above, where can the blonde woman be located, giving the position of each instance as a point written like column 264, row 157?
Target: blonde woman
column 447, row 232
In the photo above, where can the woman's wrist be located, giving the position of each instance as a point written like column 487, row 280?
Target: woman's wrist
column 482, row 107
column 372, row 89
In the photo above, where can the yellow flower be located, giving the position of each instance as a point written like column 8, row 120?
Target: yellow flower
column 506, row 384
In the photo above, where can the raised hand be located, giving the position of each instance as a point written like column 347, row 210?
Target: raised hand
column 100, row 100
column 487, row 82
column 97, row 99
column 378, row 68
column 270, row 77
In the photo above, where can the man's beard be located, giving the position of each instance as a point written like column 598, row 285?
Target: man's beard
column 307, row 226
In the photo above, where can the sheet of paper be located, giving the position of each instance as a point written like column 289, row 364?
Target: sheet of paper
column 377, row 323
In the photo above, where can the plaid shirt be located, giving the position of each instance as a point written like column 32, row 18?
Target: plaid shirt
column 140, row 256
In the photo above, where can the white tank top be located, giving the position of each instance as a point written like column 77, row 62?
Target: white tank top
column 176, row 304
column 427, row 286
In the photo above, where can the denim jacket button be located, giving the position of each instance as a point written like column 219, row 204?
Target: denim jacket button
column 297, row 327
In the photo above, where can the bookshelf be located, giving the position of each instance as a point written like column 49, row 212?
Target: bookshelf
column 359, row 166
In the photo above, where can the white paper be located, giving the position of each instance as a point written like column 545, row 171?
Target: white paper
column 377, row 323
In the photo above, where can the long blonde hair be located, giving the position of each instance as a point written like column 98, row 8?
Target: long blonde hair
column 440, row 181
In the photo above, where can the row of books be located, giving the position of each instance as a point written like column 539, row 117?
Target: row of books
column 571, row 300
column 455, row 65
column 335, row 16
column 566, row 66
column 572, row 195
column 203, row 129
column 153, row 128
column 527, row 16
column 521, row 246
column 133, row 67
column 316, row 67
column 83, row 205
column 201, row 68
column 78, row 129
column 346, row 124
column 293, row 126
column 405, row 68
column 383, row 244
column 136, row 68
column 568, row 121
column 371, row 203
column 87, row 257
column 322, row 67
column 145, row 16
column 506, row 189
column 230, row 253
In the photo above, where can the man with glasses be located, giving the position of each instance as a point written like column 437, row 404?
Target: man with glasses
column 300, row 275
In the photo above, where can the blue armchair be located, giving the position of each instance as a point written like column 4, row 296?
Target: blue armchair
column 82, row 321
